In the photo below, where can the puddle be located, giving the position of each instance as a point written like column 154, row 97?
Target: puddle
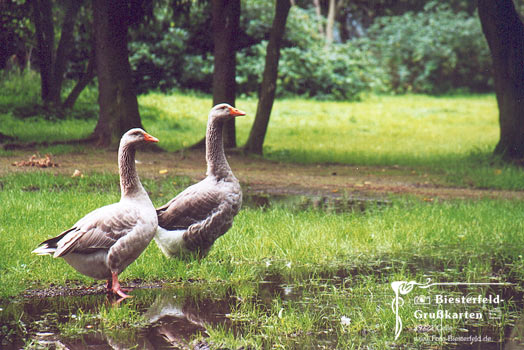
column 171, row 316
column 337, row 203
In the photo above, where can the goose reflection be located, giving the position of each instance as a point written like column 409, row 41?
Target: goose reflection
column 177, row 319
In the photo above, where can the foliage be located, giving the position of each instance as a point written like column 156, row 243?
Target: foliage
column 437, row 50
column 166, row 56
column 434, row 51
column 165, row 52
column 16, row 32
column 307, row 67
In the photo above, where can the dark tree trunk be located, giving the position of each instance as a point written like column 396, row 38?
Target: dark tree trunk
column 45, row 36
column 62, row 51
column 53, row 65
column 268, row 87
column 84, row 80
column 226, row 20
column 504, row 33
column 116, row 95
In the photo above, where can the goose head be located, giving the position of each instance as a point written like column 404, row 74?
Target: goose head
column 137, row 136
column 223, row 112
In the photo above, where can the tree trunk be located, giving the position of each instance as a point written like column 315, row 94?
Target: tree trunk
column 330, row 23
column 318, row 12
column 268, row 87
column 226, row 22
column 116, row 95
column 84, row 80
column 341, row 18
column 504, row 32
column 45, row 36
column 62, row 51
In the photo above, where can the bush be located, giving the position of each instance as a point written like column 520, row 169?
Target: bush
column 307, row 67
column 163, row 57
column 434, row 51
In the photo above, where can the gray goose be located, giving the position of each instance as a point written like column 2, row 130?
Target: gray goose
column 105, row 241
column 195, row 218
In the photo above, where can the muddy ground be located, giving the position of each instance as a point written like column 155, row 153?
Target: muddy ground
column 261, row 175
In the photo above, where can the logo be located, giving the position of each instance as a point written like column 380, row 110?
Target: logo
column 422, row 300
column 401, row 288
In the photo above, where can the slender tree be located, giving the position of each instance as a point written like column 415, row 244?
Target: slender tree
column 330, row 23
column 268, row 87
column 225, row 22
column 117, row 97
column 504, row 32
column 53, row 63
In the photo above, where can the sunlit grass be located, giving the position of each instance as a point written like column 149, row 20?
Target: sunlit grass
column 450, row 137
column 411, row 129
column 404, row 130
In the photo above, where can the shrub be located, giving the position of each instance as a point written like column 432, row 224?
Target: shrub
column 307, row 67
column 434, row 51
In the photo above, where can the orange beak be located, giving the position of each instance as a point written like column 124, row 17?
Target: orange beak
column 236, row 112
column 150, row 138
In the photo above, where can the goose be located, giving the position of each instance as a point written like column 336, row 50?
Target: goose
column 195, row 218
column 105, row 241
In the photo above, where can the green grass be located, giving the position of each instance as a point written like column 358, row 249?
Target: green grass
column 406, row 130
column 450, row 138
column 340, row 264
column 468, row 241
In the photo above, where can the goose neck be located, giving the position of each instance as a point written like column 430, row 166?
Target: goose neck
column 217, row 164
column 129, row 181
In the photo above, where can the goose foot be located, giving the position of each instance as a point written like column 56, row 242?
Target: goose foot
column 113, row 286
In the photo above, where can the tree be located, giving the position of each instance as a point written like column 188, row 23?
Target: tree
column 504, row 32
column 268, row 86
column 53, row 63
column 15, row 35
column 226, row 23
column 117, row 98
column 330, row 22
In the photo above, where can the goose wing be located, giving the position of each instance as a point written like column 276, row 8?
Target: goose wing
column 191, row 206
column 100, row 229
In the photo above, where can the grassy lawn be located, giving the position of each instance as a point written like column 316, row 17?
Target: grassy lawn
column 335, row 269
column 451, row 138
column 409, row 240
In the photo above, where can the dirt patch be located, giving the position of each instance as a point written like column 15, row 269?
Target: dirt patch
column 261, row 175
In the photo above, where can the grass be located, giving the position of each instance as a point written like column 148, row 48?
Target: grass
column 385, row 130
column 291, row 279
column 469, row 241
column 451, row 137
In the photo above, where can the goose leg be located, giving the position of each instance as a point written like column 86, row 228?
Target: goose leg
column 109, row 284
column 115, row 288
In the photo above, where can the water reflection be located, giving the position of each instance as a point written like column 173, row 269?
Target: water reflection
column 176, row 320
column 516, row 337
column 173, row 318
column 330, row 203
column 180, row 316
